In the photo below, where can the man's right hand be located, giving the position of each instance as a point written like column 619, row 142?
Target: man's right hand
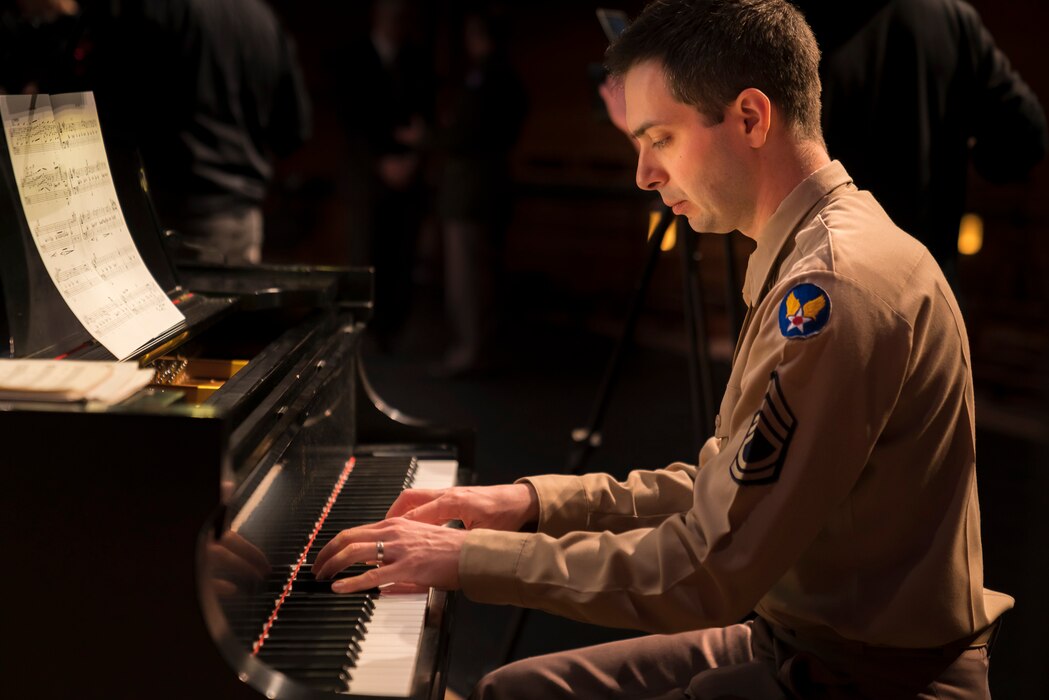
column 506, row 507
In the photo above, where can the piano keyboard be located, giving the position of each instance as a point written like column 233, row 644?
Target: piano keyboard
column 386, row 660
column 358, row 644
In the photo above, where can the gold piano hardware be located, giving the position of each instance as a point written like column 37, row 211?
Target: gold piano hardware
column 196, row 378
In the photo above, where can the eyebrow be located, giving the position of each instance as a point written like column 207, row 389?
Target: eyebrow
column 640, row 131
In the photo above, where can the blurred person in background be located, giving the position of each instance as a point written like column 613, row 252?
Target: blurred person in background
column 386, row 97
column 209, row 91
column 475, row 199
column 912, row 91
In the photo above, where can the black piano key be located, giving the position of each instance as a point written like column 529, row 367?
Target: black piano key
column 351, row 647
column 293, row 631
column 307, row 658
column 319, row 615
column 307, row 634
column 292, row 603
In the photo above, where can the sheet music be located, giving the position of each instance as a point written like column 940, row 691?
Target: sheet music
column 71, row 205
column 70, row 380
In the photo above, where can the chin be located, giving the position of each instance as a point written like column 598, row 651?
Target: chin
column 701, row 226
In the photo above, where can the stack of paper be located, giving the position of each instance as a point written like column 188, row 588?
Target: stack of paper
column 70, row 380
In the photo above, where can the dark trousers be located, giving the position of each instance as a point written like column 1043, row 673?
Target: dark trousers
column 747, row 661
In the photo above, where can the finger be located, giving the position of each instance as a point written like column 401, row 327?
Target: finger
column 334, row 546
column 372, row 578
column 411, row 499
column 363, row 533
column 354, row 553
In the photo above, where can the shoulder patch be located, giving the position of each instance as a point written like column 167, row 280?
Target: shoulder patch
column 764, row 450
column 804, row 312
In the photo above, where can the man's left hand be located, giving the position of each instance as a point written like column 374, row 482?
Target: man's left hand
column 413, row 553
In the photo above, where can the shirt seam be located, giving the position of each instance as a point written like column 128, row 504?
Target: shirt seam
column 517, row 565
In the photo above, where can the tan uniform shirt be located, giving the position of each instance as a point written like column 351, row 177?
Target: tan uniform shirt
column 838, row 495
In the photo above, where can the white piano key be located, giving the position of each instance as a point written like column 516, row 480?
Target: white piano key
column 435, row 474
column 389, row 649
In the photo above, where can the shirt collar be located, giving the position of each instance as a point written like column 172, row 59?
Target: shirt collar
column 779, row 229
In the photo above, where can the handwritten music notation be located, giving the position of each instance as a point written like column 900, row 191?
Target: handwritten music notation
column 115, row 262
column 34, row 135
column 100, row 222
column 76, row 279
column 58, row 238
column 41, row 135
column 79, row 278
column 90, row 177
column 46, row 184
column 126, row 305
column 78, row 132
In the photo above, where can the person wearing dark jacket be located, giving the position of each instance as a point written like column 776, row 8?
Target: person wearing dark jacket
column 912, row 90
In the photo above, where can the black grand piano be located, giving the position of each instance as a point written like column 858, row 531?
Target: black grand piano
column 161, row 547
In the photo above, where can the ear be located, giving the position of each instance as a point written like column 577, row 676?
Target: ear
column 753, row 109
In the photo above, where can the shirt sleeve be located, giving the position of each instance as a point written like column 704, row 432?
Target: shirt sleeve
column 809, row 411
column 600, row 502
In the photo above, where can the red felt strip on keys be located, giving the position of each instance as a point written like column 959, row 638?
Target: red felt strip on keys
column 336, row 490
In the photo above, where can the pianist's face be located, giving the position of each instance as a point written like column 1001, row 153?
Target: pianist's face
column 697, row 168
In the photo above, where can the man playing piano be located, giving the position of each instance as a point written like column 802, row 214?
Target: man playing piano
column 837, row 497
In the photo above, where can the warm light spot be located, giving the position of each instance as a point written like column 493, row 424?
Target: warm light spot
column 669, row 238
column 970, row 235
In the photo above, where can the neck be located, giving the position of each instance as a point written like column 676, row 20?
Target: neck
column 780, row 170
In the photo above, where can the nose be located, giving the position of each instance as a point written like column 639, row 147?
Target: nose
column 650, row 176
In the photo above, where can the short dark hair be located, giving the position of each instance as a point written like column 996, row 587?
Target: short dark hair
column 711, row 50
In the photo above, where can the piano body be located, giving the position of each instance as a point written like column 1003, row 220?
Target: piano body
column 160, row 548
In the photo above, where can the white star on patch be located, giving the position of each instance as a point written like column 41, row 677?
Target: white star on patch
column 798, row 315
column 797, row 322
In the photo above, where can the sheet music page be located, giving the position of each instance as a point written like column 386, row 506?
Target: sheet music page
column 70, row 380
column 71, row 205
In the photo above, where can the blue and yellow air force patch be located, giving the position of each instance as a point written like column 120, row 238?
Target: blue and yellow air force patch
column 804, row 312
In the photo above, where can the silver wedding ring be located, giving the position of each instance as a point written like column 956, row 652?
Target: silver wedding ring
column 379, row 551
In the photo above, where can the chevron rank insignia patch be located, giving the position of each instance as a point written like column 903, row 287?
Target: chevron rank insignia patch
column 804, row 312
column 764, row 449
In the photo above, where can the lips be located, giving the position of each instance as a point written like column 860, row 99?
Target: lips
column 677, row 206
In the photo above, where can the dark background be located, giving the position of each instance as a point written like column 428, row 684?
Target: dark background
column 575, row 247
